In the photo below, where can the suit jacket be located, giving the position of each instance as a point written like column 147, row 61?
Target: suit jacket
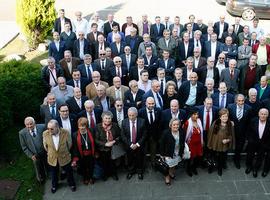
column 239, row 125
column 140, row 27
column 203, row 28
column 253, row 134
column 110, row 92
column 240, row 29
column 241, row 37
column 69, row 40
column 185, row 90
column 266, row 93
column 182, row 55
column 107, row 27
column 207, row 49
column 27, row 143
column 202, row 62
column 74, row 107
column 140, row 132
column 104, row 73
column 86, row 48
column 153, row 130
column 91, row 37
column 244, row 54
column 133, row 74
column 45, row 76
column 124, row 26
column 166, row 117
column 96, row 48
column 232, row 51
column 113, row 110
column 124, row 75
column 57, row 24
column 98, row 104
column 152, row 66
column 82, row 69
column 202, row 73
column 217, row 30
column 242, row 76
column 137, row 41
column 45, row 113
column 97, row 112
column 132, row 62
column 63, row 64
column 167, row 143
column 216, row 100
column 83, row 81
column 155, row 34
column 162, row 46
column 91, row 91
column 73, row 122
column 171, row 27
column 251, row 42
column 61, row 156
column 214, row 114
column 110, row 39
column 114, row 49
column 57, row 54
column 255, row 48
column 184, row 76
column 170, row 66
column 130, row 102
column 233, row 35
column 232, row 84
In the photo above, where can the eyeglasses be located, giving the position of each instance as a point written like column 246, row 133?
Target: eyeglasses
column 102, row 54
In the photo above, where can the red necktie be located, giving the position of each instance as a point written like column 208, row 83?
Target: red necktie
column 118, row 72
column 92, row 122
column 134, row 134
column 207, row 125
column 231, row 74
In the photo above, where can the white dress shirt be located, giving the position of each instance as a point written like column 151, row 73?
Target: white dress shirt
column 213, row 49
column 55, row 139
column 66, row 124
column 261, row 128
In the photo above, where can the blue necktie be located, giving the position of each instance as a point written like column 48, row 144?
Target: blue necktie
column 158, row 28
column 222, row 101
column 89, row 72
column 159, row 100
column 53, row 112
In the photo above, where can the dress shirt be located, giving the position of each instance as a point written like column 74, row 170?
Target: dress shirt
column 156, row 99
column 144, row 86
column 167, row 42
column 148, row 114
column 66, row 124
column 179, row 83
column 258, row 30
column 118, row 94
column 128, row 58
column 205, row 116
column 79, row 102
column 75, row 83
column 69, row 65
column 175, row 115
column 62, row 20
column 220, row 99
column 220, row 67
column 139, row 71
column 56, row 141
column 164, row 84
column 86, row 69
column 239, row 110
column 104, row 104
column 210, row 73
column 196, row 62
column 130, row 128
column 81, row 25
column 262, row 55
column 148, row 59
column 213, row 49
column 134, row 95
column 57, row 44
column 33, row 131
column 191, row 101
column 261, row 128
column 101, row 46
column 189, row 71
column 53, row 77
column 89, row 117
column 186, row 48
column 128, row 29
column 81, row 49
column 118, row 70
column 221, row 30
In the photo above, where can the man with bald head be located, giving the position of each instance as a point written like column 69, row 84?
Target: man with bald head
column 117, row 90
column 258, row 144
column 192, row 92
column 62, row 91
column 31, row 143
column 263, row 89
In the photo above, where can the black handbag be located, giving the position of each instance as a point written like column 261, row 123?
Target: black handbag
column 161, row 166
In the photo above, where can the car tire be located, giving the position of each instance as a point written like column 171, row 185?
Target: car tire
column 248, row 14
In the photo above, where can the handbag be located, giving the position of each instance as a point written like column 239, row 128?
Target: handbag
column 117, row 151
column 186, row 154
column 161, row 166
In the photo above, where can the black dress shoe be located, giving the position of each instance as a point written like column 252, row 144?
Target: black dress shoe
column 53, row 190
column 73, row 188
column 195, row 171
column 248, row 170
column 140, row 176
column 237, row 164
column 129, row 176
column 264, row 174
column 115, row 177
column 189, row 173
column 219, row 172
column 255, row 173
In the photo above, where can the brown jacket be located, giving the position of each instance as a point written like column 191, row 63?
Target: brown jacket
column 75, row 62
column 91, row 91
column 62, row 155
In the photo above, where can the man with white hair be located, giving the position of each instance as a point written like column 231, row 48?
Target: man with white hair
column 118, row 71
column 154, row 92
column 81, row 46
column 253, row 102
column 80, row 24
column 31, row 143
column 118, row 90
column 263, row 89
column 117, row 46
column 96, row 19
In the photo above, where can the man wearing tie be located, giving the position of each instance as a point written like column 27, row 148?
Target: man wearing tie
column 87, row 67
column 133, row 97
column 156, row 30
column 119, row 112
column 133, row 135
column 76, row 103
column 239, row 114
column 31, row 143
column 57, row 47
column 222, row 98
column 155, row 93
column 78, row 81
column 49, row 110
column 116, row 91
column 128, row 58
column 167, row 63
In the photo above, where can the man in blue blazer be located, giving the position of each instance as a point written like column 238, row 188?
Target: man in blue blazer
column 156, row 30
column 76, row 103
column 263, row 89
column 222, row 98
column 208, row 45
column 78, row 81
column 57, row 48
column 167, row 63
column 218, row 27
column 115, row 30
column 81, row 42
column 155, row 93
column 133, row 97
column 87, row 67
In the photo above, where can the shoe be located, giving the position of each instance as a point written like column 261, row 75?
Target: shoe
column 172, row 176
column 129, row 176
column 115, row 177
column 248, row 170
column 140, row 176
column 195, row 171
column 189, row 173
column 53, row 190
column 168, row 183
column 255, row 173
column 237, row 164
column 73, row 188
column 220, row 172
column 264, row 174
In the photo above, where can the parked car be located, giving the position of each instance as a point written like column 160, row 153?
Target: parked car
column 222, row 2
column 249, row 9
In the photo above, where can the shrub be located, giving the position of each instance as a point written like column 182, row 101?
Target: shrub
column 36, row 18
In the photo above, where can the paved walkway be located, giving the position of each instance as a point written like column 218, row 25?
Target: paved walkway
column 234, row 184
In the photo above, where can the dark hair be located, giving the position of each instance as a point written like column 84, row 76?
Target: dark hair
column 63, row 104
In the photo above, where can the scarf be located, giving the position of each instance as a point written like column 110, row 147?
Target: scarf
column 107, row 128
column 190, row 129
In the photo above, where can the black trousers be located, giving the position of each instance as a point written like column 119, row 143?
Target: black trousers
column 87, row 167
column 135, row 160
column 221, row 158
column 239, row 145
column 55, row 171
column 40, row 166
column 107, row 163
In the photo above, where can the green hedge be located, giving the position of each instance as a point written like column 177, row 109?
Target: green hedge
column 21, row 94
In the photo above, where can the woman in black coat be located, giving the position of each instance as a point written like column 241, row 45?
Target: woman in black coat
column 172, row 147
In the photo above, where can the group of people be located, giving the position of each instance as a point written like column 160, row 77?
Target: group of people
column 161, row 89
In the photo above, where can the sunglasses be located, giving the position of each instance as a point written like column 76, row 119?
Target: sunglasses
column 118, row 61
column 119, row 105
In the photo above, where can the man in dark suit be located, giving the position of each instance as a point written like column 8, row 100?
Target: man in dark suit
column 92, row 114
column 202, row 27
column 253, row 102
column 32, row 145
column 81, row 46
column 118, row 70
column 162, row 79
column 99, row 45
column 229, row 49
column 133, row 97
column 133, row 135
column 87, row 68
column 220, row 27
column 67, row 120
column 78, row 81
column 173, row 112
column 156, row 30
column 57, row 47
column 128, row 58
column 199, row 61
column 207, row 36
column 60, row 22
column 152, row 117
column 103, row 66
column 167, row 63
column 119, row 112
column 240, row 115
column 50, row 73
column 126, row 27
column 133, row 40
column 154, row 92
column 189, row 68
column 134, row 72
column 258, row 142
column 185, row 49
column 192, row 92
column 76, row 103
column 263, row 89
column 150, row 61
column 92, row 37
column 213, row 43
column 237, row 27
column 109, row 24
column 68, row 36
column 117, row 46
column 49, row 110
column 222, row 98
column 68, row 64
column 178, row 77
column 177, row 25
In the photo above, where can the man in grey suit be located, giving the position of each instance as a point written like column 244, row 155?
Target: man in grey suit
column 166, row 43
column 230, row 76
column 49, row 110
column 244, row 53
column 32, row 145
